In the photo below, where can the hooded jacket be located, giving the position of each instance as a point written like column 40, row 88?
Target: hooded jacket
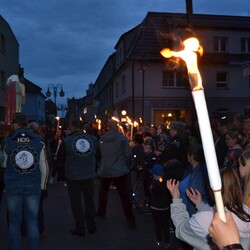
column 194, row 230
column 116, row 155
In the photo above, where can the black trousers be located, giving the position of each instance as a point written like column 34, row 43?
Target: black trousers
column 161, row 224
column 121, row 184
column 76, row 189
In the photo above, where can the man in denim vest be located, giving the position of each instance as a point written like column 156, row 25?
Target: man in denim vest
column 77, row 154
column 25, row 175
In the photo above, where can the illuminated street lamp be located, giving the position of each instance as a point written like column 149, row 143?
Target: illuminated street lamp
column 55, row 88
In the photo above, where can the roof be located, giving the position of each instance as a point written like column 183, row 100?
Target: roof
column 30, row 87
column 158, row 30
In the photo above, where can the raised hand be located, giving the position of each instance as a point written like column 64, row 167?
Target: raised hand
column 173, row 187
column 194, row 195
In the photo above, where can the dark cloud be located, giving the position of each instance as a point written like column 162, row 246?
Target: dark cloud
column 68, row 41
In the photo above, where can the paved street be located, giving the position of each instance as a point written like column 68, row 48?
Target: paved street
column 112, row 233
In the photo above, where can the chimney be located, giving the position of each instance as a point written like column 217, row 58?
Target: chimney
column 189, row 10
column 21, row 72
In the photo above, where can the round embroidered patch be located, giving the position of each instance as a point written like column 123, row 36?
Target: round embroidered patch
column 24, row 159
column 82, row 145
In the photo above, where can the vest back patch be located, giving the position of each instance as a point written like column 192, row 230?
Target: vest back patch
column 24, row 159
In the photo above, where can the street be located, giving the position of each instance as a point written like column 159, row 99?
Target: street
column 112, row 233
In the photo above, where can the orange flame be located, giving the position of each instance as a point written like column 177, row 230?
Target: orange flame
column 189, row 56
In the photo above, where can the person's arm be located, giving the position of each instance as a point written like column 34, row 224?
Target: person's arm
column 180, row 218
column 44, row 167
column 5, row 159
column 225, row 234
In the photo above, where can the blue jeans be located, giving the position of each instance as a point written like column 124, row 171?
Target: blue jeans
column 23, row 201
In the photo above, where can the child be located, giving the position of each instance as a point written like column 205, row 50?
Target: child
column 160, row 200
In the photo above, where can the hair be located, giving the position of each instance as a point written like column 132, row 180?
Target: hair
column 224, row 122
column 112, row 125
column 34, row 127
column 235, row 134
column 196, row 150
column 242, row 160
column 138, row 138
column 76, row 124
column 149, row 141
column 21, row 119
column 231, row 191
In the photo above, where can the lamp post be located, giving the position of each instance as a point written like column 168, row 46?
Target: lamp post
column 62, row 108
column 143, row 68
column 55, row 88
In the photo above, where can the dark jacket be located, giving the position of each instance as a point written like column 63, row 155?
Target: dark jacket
column 160, row 198
column 138, row 155
column 177, row 149
column 116, row 155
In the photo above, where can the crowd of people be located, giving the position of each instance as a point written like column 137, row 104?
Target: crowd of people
column 159, row 170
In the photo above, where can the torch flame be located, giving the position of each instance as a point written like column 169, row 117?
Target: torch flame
column 189, row 56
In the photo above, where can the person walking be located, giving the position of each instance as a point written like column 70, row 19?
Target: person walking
column 77, row 154
column 26, row 172
column 114, row 167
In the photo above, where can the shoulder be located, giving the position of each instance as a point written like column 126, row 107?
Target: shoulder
column 200, row 222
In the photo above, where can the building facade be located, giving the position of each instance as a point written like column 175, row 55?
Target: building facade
column 136, row 78
column 9, row 60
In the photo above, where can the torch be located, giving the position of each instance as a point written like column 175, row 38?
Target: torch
column 131, row 127
column 189, row 56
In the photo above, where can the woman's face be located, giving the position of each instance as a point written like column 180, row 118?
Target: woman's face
column 244, row 168
column 230, row 142
column 173, row 132
column 147, row 149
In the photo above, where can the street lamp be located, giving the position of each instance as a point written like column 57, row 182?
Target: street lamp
column 143, row 68
column 55, row 88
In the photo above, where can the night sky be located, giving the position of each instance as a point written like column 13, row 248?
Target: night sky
column 68, row 41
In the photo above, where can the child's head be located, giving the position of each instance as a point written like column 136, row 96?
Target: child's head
column 148, row 145
column 157, row 170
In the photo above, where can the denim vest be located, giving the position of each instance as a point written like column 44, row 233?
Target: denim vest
column 80, row 161
column 23, row 149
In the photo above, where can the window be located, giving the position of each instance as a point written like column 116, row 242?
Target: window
column 220, row 44
column 2, row 79
column 123, row 84
column 222, row 80
column 117, row 89
column 2, row 43
column 175, row 79
column 245, row 45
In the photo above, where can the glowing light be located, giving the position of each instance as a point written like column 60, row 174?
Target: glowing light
column 189, row 56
